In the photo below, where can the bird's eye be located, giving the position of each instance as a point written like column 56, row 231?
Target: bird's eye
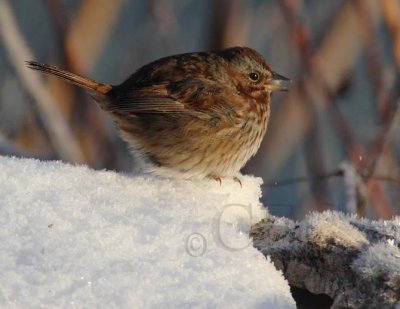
column 254, row 76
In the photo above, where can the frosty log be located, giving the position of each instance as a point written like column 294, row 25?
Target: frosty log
column 354, row 261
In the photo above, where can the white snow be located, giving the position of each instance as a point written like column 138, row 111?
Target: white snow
column 74, row 237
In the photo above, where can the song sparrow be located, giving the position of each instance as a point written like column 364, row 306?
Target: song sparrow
column 192, row 115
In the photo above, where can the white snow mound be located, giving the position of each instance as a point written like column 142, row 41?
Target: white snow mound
column 71, row 236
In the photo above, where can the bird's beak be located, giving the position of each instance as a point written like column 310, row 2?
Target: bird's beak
column 278, row 82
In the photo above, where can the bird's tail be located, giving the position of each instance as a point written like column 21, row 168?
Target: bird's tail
column 94, row 88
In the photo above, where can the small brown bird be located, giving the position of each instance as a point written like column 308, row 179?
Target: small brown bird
column 192, row 115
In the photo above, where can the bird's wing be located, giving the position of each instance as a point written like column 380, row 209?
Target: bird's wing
column 191, row 97
column 146, row 99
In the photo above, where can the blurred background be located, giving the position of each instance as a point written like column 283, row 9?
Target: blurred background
column 333, row 140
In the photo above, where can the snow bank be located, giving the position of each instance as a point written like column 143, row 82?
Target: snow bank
column 73, row 236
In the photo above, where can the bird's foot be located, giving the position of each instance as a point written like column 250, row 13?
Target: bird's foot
column 219, row 179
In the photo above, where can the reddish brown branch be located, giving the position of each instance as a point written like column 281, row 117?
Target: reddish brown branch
column 300, row 33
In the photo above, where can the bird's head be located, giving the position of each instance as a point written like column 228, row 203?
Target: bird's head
column 251, row 74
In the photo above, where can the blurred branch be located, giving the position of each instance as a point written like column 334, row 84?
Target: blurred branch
column 388, row 114
column 383, row 140
column 369, row 34
column 385, row 92
column 391, row 15
column 230, row 23
column 165, row 20
column 358, row 191
column 292, row 10
column 321, row 177
column 56, row 8
column 89, row 31
column 8, row 149
column 301, row 179
column 317, row 87
column 87, row 118
column 60, row 136
column 291, row 121
column 64, row 93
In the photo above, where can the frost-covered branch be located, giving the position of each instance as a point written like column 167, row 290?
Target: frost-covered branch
column 354, row 261
column 18, row 51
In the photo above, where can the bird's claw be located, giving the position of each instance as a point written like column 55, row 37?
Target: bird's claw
column 219, row 179
column 236, row 179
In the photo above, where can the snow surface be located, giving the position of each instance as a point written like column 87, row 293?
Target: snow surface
column 74, row 237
